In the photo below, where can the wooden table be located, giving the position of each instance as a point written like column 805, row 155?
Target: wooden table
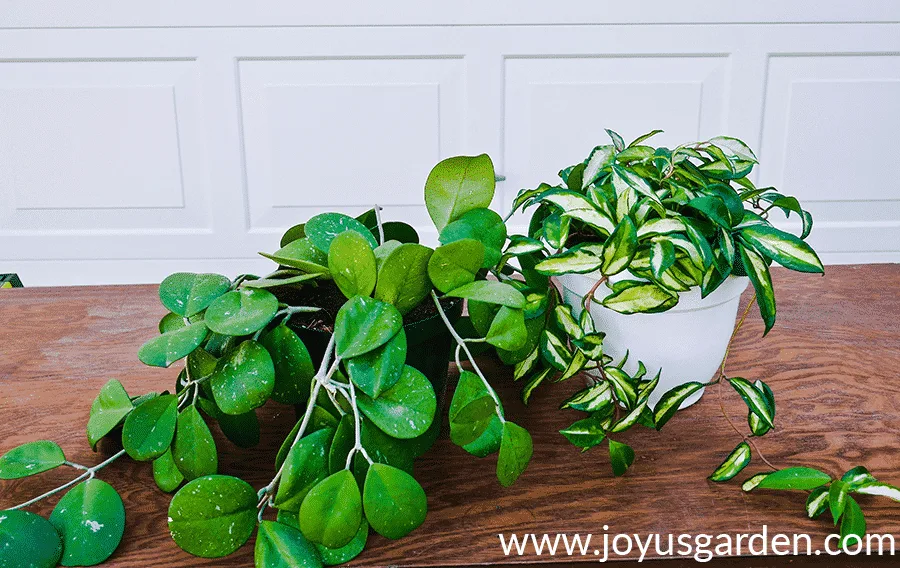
column 832, row 360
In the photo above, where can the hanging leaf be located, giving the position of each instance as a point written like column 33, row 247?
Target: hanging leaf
column 853, row 524
column 733, row 464
column 213, row 516
column 881, row 489
column 332, row 510
column 351, row 262
column 303, row 255
column 150, row 427
column 108, row 410
column 379, row 370
column 194, row 449
column 837, row 499
column 662, row 256
column 243, row 379
column 629, row 419
column 322, row 229
column 394, row 502
column 456, row 264
column 586, row 433
column 346, row 553
column 403, row 277
column 492, row 292
column 619, row 249
column 754, row 398
column 241, row 312
column 458, row 185
column 554, row 350
column 90, row 520
column 186, row 293
column 404, row 411
column 579, row 259
column 759, row 275
column 292, row 365
column 166, row 473
column 817, row 502
column 508, row 329
column 782, row 247
column 591, row 399
column 483, row 225
column 857, row 477
column 305, row 466
column 472, row 409
column 364, row 324
column 30, row 459
column 29, row 540
column 282, row 546
column 643, row 298
column 621, row 456
column 799, row 478
column 753, row 482
column 163, row 350
column 515, row 452
column 671, row 401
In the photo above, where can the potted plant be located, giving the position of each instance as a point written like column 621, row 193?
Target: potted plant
column 356, row 328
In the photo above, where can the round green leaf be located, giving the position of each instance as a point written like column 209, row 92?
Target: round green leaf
column 171, row 346
column 243, row 379
column 305, row 466
column 455, row 264
column 283, row 546
column 30, row 459
column 186, row 293
column 29, row 540
column 378, row 370
column 346, row 553
column 166, row 473
column 398, row 231
column 482, row 225
column 394, row 502
column 351, row 262
column 508, row 330
column 150, row 427
column 296, row 232
column 492, row 292
column 322, row 229
column 241, row 430
column 241, row 312
column 457, row 185
column 90, row 520
column 194, row 449
column 363, row 324
column 302, row 255
column 320, row 418
column 332, row 511
column 621, row 456
column 404, row 411
column 213, row 516
column 110, row 407
column 171, row 322
column 403, row 276
column 515, row 452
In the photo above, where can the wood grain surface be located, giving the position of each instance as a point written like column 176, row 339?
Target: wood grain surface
column 832, row 360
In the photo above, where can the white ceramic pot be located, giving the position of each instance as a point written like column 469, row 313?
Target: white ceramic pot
column 687, row 342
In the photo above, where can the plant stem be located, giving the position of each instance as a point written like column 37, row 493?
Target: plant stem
column 461, row 344
column 590, row 294
column 380, row 226
column 734, row 333
column 89, row 474
column 745, row 438
column 357, row 446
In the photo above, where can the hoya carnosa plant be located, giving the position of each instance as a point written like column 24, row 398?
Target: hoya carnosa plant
column 365, row 414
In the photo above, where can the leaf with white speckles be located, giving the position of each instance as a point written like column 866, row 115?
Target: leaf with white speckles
column 30, row 459
column 27, row 539
column 332, row 511
column 194, row 449
column 213, row 516
column 244, row 379
column 90, row 519
column 405, row 410
column 394, row 502
column 283, row 546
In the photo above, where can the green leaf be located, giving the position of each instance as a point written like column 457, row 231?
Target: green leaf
column 734, row 148
column 600, row 158
column 90, row 520
column 346, row 553
column 150, row 427
column 292, row 363
column 322, row 229
column 660, row 226
column 670, row 402
column 817, row 502
column 455, row 264
column 404, row 411
column 393, row 501
column 753, row 482
column 244, row 379
column 801, row 478
column 241, row 312
column 576, row 206
column 644, row 137
column 482, row 225
column 880, row 489
column 854, row 524
column 403, row 277
column 643, row 298
column 303, row 255
column 305, row 466
column 351, row 262
column 624, row 179
column 736, row 461
column 213, row 516
column 28, row 540
column 364, row 324
column 754, row 398
column 837, row 499
column 782, row 247
column 617, row 140
column 857, row 477
column 713, row 208
column 515, row 452
column 458, row 185
column 186, row 293
column 398, row 231
column 282, row 546
column 662, row 256
column 534, row 382
column 554, row 351
column 332, row 511
column 591, row 399
column 586, row 433
column 163, row 350
column 320, row 418
column 275, row 282
column 508, row 330
column 30, row 459
column 166, row 473
column 619, row 249
column 470, row 399
column 171, row 322
column 566, row 321
column 579, row 259
column 629, row 419
column 492, row 292
column 194, row 449
column 108, row 410
column 621, row 456
column 759, row 275
column 241, row 430
column 296, row 232
column 519, row 245
column 379, row 370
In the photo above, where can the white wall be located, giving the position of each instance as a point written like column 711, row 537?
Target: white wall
column 138, row 141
